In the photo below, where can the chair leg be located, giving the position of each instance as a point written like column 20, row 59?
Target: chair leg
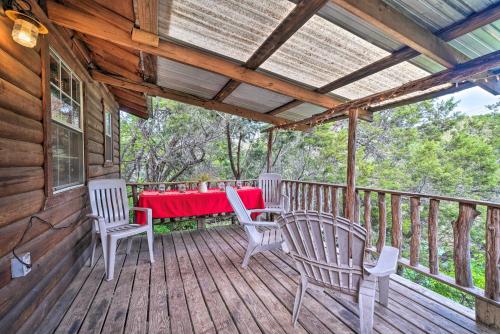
column 248, row 254
column 93, row 244
column 150, row 245
column 299, row 297
column 129, row 244
column 383, row 287
column 111, row 259
column 105, row 251
column 366, row 303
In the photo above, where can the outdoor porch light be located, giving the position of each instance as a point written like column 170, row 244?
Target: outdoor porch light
column 26, row 26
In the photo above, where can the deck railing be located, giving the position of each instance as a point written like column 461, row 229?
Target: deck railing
column 371, row 210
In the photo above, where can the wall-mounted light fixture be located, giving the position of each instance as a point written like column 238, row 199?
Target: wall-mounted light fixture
column 26, row 26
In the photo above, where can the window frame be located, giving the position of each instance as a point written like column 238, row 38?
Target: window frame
column 52, row 53
column 106, row 112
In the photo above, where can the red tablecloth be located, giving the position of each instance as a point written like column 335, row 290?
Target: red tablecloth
column 171, row 204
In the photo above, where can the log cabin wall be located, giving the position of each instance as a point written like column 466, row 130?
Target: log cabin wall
column 26, row 178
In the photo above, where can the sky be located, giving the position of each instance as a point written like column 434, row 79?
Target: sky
column 473, row 100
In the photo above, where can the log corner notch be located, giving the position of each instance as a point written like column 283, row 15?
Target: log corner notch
column 461, row 243
column 146, row 13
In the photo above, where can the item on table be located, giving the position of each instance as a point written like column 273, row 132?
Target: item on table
column 182, row 188
column 238, row 184
column 221, row 186
column 161, row 188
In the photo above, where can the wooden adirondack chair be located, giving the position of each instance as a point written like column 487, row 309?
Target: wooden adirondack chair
column 258, row 241
column 329, row 254
column 270, row 183
column 110, row 215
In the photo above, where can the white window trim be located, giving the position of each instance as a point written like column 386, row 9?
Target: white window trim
column 55, row 191
column 108, row 161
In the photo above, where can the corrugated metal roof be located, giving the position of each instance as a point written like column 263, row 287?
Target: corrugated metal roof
column 330, row 45
column 233, row 28
column 255, row 98
column 189, row 79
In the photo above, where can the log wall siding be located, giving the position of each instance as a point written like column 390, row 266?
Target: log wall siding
column 55, row 254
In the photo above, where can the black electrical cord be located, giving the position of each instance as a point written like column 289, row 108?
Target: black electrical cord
column 51, row 226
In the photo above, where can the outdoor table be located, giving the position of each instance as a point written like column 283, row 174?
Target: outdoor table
column 173, row 204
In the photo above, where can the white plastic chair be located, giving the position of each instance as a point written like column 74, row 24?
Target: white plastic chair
column 320, row 244
column 270, row 183
column 257, row 241
column 110, row 215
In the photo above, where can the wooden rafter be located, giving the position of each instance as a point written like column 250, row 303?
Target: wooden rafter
column 458, row 73
column 460, row 28
column 154, row 90
column 302, row 12
column 401, row 28
column 147, row 15
column 95, row 26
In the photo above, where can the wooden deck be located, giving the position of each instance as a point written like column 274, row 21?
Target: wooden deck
column 197, row 285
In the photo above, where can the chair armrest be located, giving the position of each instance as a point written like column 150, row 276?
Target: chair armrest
column 387, row 262
column 261, row 224
column 94, row 217
column 99, row 223
column 148, row 211
column 266, row 210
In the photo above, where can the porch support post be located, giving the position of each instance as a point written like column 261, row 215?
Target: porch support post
column 351, row 165
column 269, row 150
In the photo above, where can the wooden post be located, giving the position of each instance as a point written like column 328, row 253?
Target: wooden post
column 415, row 231
column 296, row 194
column 368, row 218
column 432, row 227
column 492, row 289
column 325, row 198
column 351, row 165
column 382, row 224
column 269, row 150
column 396, row 231
column 318, row 198
column 461, row 243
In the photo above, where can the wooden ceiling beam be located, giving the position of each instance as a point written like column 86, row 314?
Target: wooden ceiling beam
column 127, row 103
column 147, row 15
column 108, row 66
column 109, row 50
column 460, row 28
column 92, row 25
column 458, row 73
column 299, row 15
column 154, row 90
column 401, row 28
column 135, row 112
column 130, row 96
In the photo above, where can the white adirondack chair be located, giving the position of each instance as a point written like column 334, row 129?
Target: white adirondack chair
column 110, row 215
column 258, row 241
column 320, row 245
column 270, row 183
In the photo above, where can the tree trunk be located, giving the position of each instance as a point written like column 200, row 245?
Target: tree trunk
column 461, row 242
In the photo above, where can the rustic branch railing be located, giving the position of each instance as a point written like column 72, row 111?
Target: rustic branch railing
column 331, row 198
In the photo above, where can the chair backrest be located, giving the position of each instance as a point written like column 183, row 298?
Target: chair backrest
column 319, row 244
column 270, row 183
column 108, row 199
column 242, row 213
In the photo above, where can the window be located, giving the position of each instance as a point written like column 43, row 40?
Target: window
column 67, row 129
column 108, row 138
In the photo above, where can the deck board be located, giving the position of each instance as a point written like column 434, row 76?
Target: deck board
column 197, row 285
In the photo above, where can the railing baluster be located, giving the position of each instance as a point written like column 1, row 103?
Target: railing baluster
column 396, row 230
column 325, row 198
column 415, row 231
column 318, row 198
column 297, row 185
column 303, row 199
column 492, row 289
column 461, row 243
column 356, row 208
column 432, row 226
column 382, row 227
column 335, row 206
column 367, row 204
column 344, row 201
